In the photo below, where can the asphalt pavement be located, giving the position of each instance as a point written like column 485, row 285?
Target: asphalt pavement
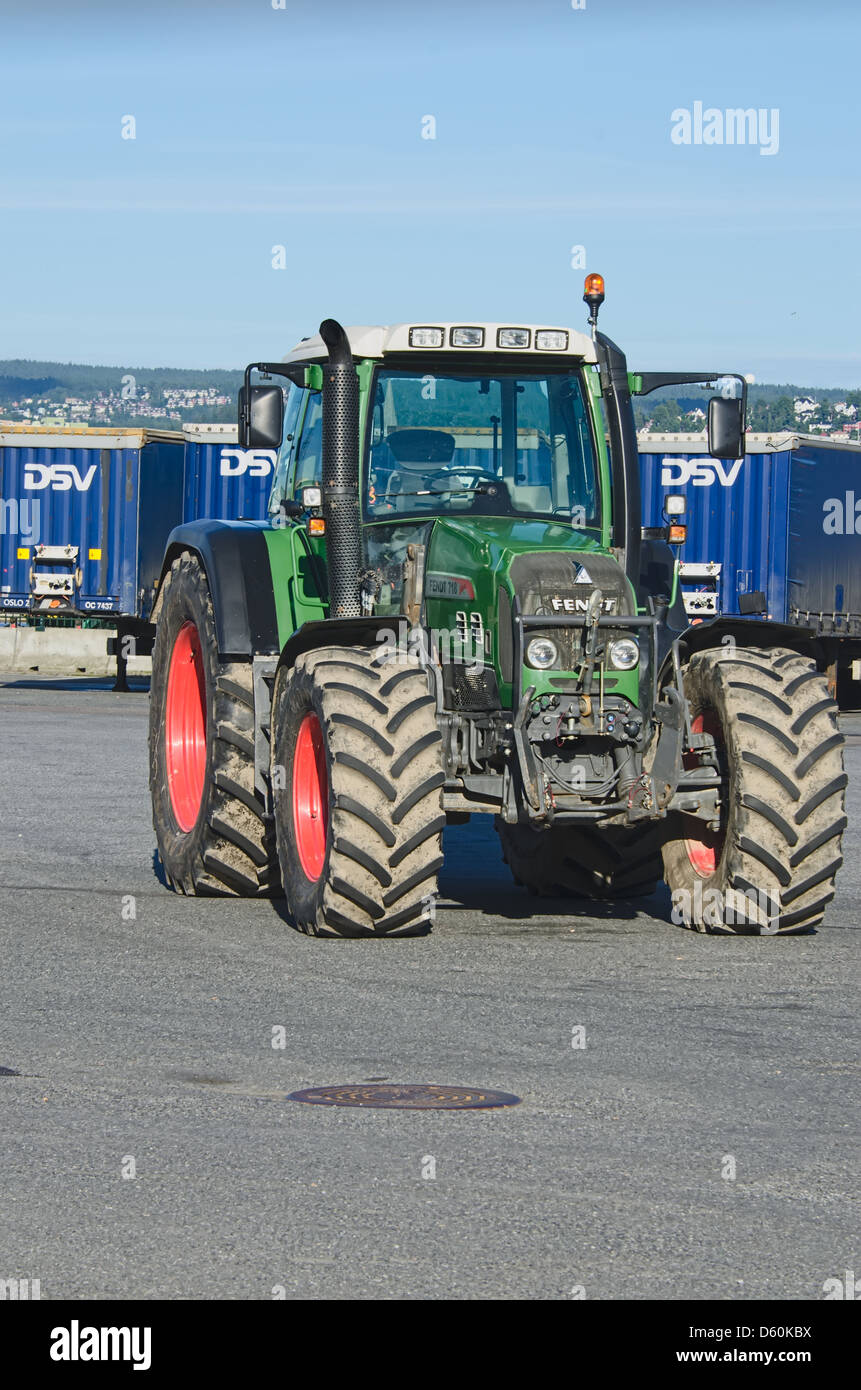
column 702, row 1142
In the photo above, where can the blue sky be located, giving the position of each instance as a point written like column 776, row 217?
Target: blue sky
column 301, row 127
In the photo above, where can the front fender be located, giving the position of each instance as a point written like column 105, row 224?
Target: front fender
column 745, row 632
column 235, row 556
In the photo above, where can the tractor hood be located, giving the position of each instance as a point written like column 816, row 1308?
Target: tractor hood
column 482, row 571
column 549, row 567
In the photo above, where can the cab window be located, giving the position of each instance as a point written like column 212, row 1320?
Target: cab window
column 308, row 469
column 506, row 443
column 294, row 397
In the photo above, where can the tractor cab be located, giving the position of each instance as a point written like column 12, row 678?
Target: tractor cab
column 500, row 427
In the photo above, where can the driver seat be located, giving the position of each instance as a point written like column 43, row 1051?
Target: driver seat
column 420, row 449
column 418, row 454
column 534, row 499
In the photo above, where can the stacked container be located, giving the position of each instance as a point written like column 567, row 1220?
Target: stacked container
column 776, row 533
column 84, row 516
column 222, row 480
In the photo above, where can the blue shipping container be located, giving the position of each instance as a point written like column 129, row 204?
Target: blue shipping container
column 785, row 521
column 221, row 480
column 84, row 516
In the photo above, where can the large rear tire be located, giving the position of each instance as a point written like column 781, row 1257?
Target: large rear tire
column 574, row 862
column 770, row 868
column 356, row 778
column 212, row 832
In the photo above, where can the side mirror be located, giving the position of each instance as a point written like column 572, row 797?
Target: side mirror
column 726, row 427
column 261, row 417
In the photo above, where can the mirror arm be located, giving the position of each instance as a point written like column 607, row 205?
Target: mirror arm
column 294, row 371
column 651, row 381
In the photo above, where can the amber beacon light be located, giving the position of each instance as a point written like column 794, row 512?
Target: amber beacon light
column 593, row 295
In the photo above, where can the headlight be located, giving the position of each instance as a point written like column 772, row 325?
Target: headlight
column 541, row 653
column 426, row 337
column 551, row 340
column 513, row 337
column 624, row 654
column 467, row 337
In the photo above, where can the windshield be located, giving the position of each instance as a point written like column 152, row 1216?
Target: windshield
column 501, row 445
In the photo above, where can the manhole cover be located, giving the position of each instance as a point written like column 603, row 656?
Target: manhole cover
column 406, row 1097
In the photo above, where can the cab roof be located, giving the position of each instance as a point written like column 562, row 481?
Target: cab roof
column 377, row 341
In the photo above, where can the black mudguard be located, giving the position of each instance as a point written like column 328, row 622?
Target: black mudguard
column 236, row 559
column 750, row 632
column 747, row 632
column 348, row 632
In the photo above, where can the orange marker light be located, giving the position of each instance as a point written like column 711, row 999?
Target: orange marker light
column 317, row 526
column 677, row 534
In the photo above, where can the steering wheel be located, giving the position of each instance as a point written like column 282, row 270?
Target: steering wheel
column 470, row 469
column 450, row 478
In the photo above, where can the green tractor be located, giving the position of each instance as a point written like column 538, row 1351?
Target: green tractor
column 453, row 609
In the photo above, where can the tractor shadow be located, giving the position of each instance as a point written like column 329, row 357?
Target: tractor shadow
column 158, row 870
column 138, row 685
column 476, row 879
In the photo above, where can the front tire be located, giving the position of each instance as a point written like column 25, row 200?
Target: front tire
column 770, row 868
column 356, row 778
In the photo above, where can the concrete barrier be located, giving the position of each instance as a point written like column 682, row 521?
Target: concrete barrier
column 63, row 652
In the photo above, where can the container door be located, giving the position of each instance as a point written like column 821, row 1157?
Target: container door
column 824, row 582
column 75, row 506
column 736, row 537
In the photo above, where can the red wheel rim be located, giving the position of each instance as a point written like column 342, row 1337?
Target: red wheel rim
column 185, row 727
column 705, row 852
column 310, row 796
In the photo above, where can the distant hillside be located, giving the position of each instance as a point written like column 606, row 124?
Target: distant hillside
column 78, row 379
column 72, row 393
column 75, row 393
column 769, row 407
column 11, row 387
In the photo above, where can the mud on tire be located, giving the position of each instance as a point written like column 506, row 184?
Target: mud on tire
column 371, row 869
column 779, row 846
column 230, row 847
column 568, row 861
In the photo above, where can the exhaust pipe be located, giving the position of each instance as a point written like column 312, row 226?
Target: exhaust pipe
column 341, row 473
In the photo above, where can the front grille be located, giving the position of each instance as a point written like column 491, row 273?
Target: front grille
column 470, row 688
column 560, row 583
